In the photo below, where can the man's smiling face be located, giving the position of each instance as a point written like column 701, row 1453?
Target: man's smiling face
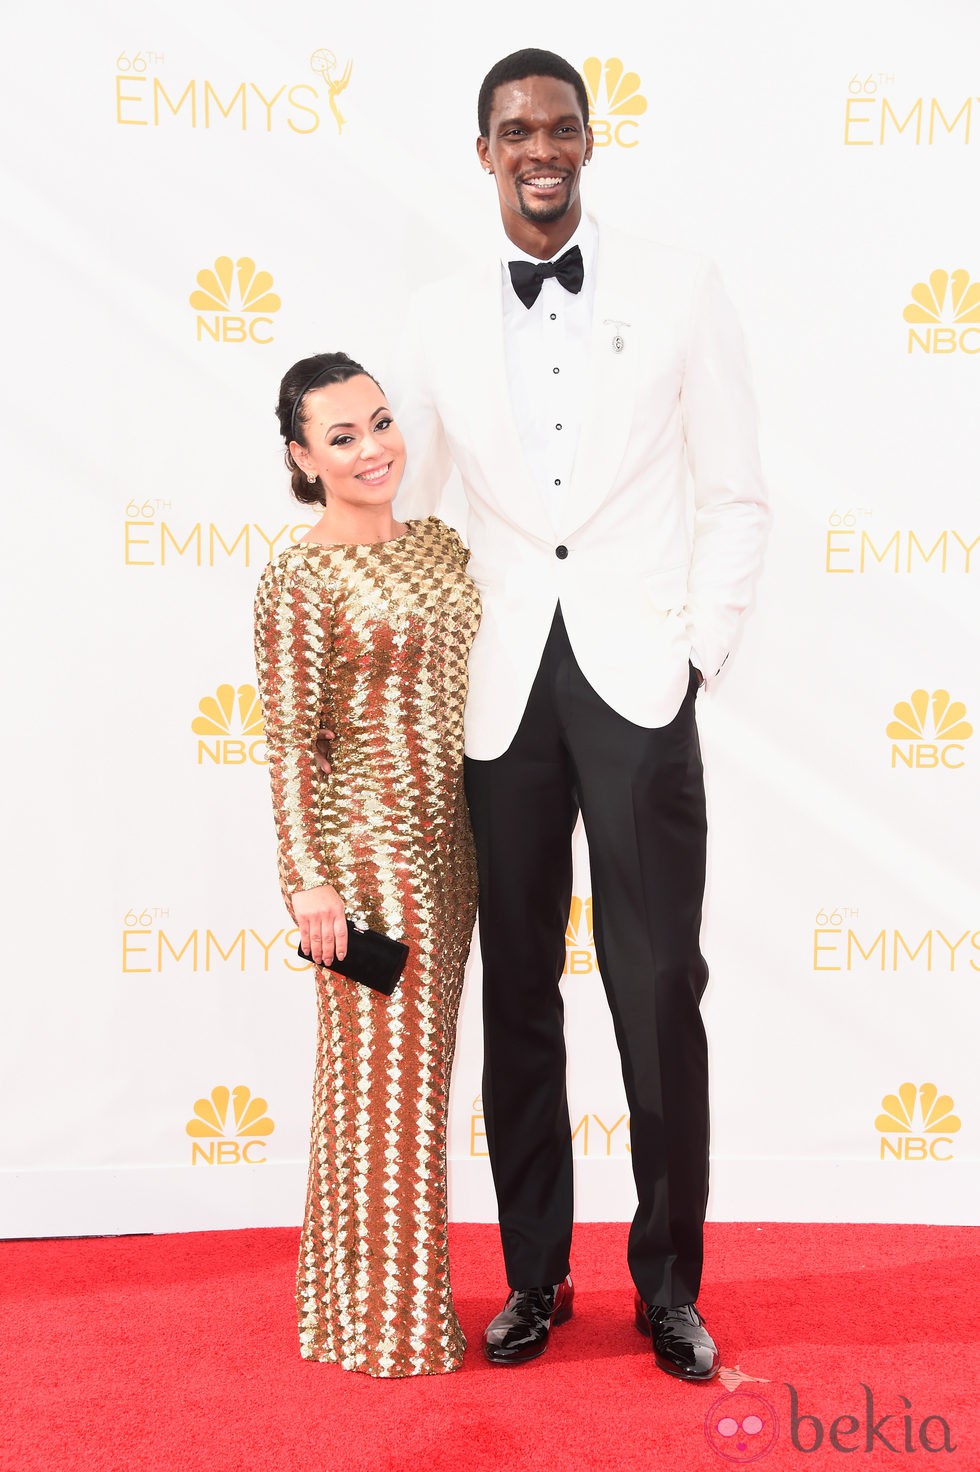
column 536, row 146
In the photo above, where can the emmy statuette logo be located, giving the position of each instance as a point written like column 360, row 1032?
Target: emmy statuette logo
column 154, row 91
column 323, row 62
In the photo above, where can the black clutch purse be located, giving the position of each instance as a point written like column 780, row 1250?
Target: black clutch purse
column 373, row 959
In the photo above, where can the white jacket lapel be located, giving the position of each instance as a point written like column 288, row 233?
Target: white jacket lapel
column 494, row 440
column 610, row 388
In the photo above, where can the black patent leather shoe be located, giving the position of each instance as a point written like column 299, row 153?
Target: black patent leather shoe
column 520, row 1331
column 681, row 1344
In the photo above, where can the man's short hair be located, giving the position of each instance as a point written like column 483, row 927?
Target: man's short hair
column 531, row 62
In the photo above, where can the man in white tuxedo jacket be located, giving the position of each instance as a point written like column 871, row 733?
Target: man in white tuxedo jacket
column 592, row 391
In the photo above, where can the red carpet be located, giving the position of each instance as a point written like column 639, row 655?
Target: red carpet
column 179, row 1353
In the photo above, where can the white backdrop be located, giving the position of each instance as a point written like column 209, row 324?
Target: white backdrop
column 317, row 164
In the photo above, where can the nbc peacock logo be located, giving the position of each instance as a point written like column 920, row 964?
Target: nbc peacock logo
column 910, row 1116
column 234, row 302
column 944, row 314
column 615, row 101
column 926, row 716
column 230, row 728
column 579, row 939
column 230, row 1127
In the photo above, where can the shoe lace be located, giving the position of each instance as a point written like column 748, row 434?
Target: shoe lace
column 688, row 1311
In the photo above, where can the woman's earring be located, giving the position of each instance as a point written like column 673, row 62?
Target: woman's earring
column 311, row 478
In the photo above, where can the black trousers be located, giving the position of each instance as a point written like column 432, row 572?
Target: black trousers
column 641, row 795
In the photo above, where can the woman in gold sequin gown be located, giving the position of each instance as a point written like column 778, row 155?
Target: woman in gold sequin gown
column 364, row 628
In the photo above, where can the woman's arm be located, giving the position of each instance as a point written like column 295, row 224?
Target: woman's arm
column 293, row 634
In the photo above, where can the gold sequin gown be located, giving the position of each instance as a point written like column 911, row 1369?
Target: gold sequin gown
column 372, row 641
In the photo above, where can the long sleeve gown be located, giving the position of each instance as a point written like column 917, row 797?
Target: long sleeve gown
column 371, row 641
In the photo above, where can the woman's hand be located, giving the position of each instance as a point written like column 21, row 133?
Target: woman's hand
column 322, row 926
column 324, row 749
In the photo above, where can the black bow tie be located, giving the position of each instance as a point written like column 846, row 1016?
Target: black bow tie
column 527, row 279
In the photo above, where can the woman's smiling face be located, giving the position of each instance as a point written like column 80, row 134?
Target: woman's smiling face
column 352, row 443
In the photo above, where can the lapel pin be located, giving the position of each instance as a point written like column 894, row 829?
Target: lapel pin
column 618, row 342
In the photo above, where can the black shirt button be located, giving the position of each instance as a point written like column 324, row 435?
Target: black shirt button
column 558, row 426
column 561, row 553
column 554, row 316
column 557, row 482
column 555, row 370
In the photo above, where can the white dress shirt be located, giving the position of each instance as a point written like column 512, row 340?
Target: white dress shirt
column 546, row 348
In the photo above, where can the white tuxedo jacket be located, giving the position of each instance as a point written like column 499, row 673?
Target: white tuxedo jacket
column 663, row 527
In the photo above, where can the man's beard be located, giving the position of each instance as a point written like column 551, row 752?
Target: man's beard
column 544, row 214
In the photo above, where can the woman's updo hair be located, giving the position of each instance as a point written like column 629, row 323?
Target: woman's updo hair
column 309, row 373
